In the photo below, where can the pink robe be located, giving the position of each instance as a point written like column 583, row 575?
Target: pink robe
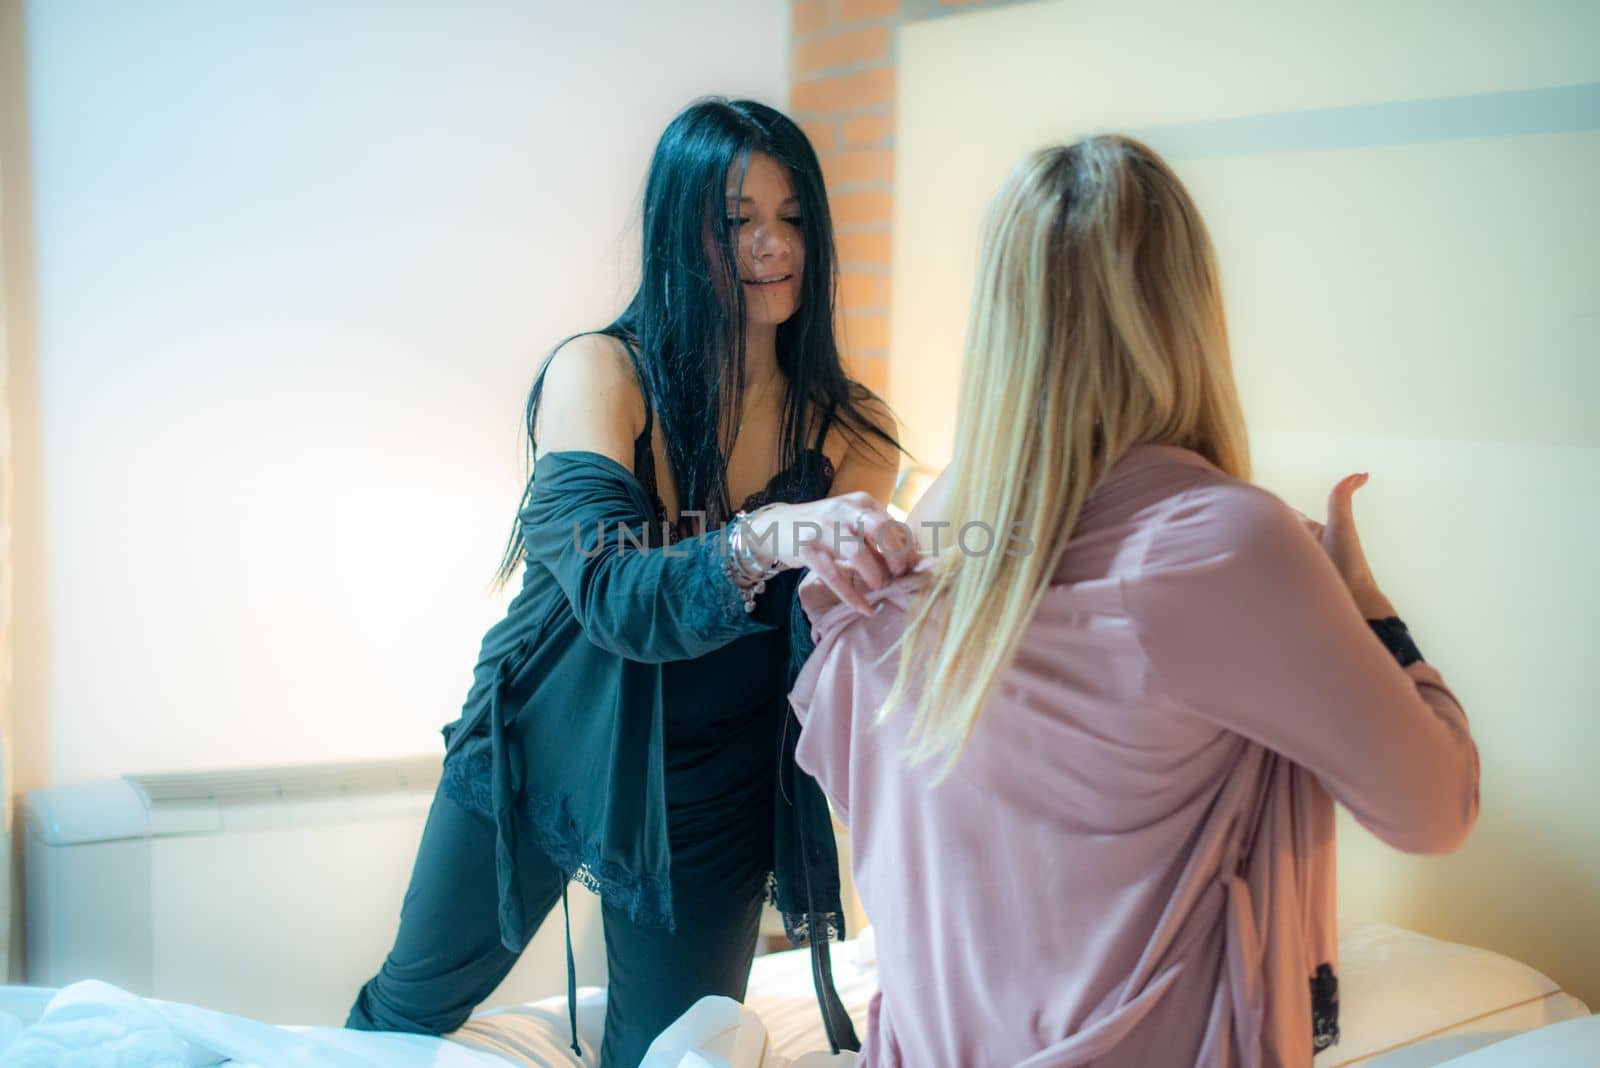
column 1133, row 862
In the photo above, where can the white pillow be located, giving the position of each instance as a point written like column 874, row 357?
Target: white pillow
column 1421, row 1001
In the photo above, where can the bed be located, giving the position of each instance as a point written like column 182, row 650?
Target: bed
column 1408, row 1001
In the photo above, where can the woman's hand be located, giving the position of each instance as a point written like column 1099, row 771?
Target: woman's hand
column 1343, row 545
column 843, row 539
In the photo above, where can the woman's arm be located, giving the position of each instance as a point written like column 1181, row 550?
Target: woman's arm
column 584, row 524
column 587, row 511
column 1247, row 621
column 591, row 400
column 930, row 516
column 870, row 464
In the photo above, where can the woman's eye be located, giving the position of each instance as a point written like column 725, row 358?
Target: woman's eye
column 733, row 222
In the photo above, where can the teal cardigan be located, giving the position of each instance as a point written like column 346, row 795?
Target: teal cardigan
column 566, row 709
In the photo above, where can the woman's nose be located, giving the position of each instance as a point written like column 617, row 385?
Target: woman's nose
column 768, row 243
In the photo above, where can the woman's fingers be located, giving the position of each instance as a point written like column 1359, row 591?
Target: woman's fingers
column 853, row 543
column 867, row 526
column 822, row 563
column 892, row 540
column 1339, row 536
column 1342, row 541
column 850, row 540
column 864, row 560
column 1341, row 509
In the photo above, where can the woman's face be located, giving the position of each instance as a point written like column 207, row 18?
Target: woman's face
column 764, row 223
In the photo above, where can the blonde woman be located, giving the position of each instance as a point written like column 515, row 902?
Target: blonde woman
column 1091, row 785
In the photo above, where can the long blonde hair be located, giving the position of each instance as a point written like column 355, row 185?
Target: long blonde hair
column 1096, row 325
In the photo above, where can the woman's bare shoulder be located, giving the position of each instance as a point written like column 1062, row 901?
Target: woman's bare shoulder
column 591, row 399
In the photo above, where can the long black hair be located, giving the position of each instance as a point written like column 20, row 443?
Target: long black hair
column 684, row 330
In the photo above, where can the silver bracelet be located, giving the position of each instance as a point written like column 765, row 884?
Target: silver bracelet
column 747, row 593
column 746, row 553
column 748, row 576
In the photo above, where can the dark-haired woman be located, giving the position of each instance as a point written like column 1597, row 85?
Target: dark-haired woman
column 627, row 725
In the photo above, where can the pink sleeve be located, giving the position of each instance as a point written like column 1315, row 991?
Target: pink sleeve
column 823, row 696
column 1246, row 621
column 848, row 674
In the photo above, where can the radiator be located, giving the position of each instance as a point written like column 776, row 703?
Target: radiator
column 266, row 892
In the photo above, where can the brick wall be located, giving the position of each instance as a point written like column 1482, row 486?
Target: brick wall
column 842, row 94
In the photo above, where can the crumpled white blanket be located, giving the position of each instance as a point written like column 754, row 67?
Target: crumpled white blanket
column 97, row 1025
column 719, row 1032
column 93, row 1024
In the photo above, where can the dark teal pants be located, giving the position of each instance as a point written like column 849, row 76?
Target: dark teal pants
column 447, row 956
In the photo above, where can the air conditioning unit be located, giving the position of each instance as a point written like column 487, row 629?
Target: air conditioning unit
column 268, row 892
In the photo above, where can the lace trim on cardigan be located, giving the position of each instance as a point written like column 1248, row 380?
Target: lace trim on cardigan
column 797, row 926
column 647, row 899
column 465, row 781
column 1324, row 1009
column 1396, row 637
column 714, row 599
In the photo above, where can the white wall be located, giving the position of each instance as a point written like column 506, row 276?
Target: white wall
column 295, row 263
column 1403, row 200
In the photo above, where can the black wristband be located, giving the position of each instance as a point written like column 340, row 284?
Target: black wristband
column 1397, row 639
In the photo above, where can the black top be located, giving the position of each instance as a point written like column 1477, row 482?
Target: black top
column 800, row 481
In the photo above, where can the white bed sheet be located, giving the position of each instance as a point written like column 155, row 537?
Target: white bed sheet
column 1564, row 1045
